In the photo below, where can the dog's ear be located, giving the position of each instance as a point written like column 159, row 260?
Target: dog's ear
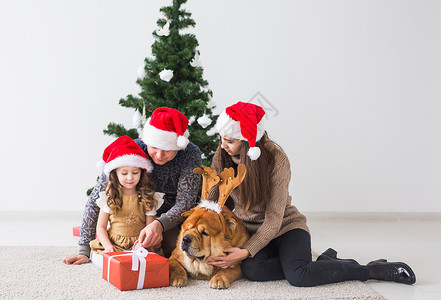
column 231, row 225
column 187, row 213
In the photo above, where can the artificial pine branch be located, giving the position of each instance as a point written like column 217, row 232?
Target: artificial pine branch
column 118, row 130
column 187, row 91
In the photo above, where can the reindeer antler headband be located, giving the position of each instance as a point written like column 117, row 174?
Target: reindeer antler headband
column 227, row 183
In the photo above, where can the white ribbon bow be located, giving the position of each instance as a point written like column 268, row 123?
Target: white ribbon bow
column 139, row 253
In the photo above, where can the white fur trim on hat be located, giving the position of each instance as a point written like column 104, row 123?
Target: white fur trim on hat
column 210, row 205
column 130, row 160
column 164, row 140
column 226, row 126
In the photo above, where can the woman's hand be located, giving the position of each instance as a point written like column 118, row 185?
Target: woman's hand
column 151, row 235
column 76, row 259
column 235, row 255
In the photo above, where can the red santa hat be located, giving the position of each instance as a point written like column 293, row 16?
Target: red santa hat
column 123, row 152
column 166, row 129
column 243, row 121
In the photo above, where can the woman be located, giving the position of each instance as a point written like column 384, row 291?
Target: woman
column 280, row 243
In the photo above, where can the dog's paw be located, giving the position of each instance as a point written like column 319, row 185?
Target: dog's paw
column 178, row 281
column 219, row 281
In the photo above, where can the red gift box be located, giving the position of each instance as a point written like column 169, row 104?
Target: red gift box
column 152, row 270
column 76, row 231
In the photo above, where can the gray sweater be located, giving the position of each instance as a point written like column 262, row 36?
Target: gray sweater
column 176, row 179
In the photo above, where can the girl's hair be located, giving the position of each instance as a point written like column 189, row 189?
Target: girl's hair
column 256, row 187
column 145, row 189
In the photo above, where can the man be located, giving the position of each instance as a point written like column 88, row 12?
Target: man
column 165, row 141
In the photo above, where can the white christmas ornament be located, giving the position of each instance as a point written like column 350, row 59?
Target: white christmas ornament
column 140, row 131
column 144, row 117
column 191, row 120
column 139, row 88
column 137, row 119
column 166, row 75
column 196, row 62
column 211, row 104
column 141, row 72
column 204, row 121
column 212, row 131
column 165, row 30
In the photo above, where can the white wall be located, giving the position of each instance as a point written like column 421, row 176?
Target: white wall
column 356, row 86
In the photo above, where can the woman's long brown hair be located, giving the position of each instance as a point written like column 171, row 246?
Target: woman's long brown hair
column 145, row 189
column 256, row 187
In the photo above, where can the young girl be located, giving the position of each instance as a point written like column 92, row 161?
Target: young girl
column 280, row 243
column 129, row 202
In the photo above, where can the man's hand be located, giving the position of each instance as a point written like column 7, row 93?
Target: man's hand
column 76, row 259
column 151, row 235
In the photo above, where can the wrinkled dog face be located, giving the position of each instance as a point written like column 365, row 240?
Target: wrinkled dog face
column 202, row 235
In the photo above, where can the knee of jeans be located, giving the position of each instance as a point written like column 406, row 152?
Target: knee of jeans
column 250, row 270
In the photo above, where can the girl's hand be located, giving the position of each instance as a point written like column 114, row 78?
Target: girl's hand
column 137, row 242
column 109, row 249
column 235, row 255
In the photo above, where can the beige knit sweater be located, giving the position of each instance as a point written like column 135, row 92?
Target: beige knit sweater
column 266, row 222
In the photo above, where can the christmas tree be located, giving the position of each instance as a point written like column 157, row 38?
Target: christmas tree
column 173, row 78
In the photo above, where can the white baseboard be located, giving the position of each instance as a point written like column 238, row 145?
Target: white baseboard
column 49, row 215
column 311, row 215
column 384, row 216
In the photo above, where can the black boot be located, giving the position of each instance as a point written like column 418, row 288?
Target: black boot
column 391, row 271
column 331, row 255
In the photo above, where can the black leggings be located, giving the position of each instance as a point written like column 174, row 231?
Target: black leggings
column 289, row 257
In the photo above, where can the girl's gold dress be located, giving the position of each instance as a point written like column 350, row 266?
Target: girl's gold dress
column 126, row 224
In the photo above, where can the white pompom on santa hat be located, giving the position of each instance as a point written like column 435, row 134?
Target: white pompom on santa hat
column 166, row 129
column 243, row 121
column 124, row 152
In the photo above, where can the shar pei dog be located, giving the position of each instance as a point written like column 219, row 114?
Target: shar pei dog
column 209, row 228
